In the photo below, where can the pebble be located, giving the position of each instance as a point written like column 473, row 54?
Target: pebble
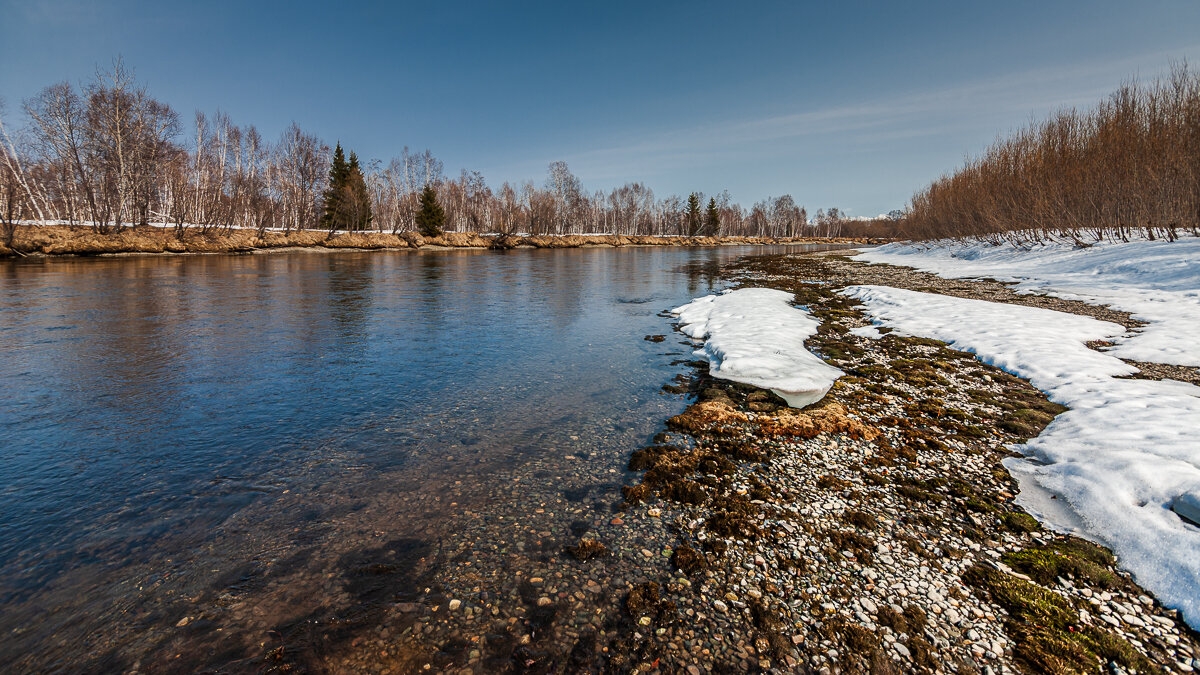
column 455, row 604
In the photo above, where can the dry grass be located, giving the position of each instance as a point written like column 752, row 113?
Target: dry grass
column 64, row 240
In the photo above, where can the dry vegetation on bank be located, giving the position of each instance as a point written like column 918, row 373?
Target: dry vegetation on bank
column 1129, row 166
column 65, row 240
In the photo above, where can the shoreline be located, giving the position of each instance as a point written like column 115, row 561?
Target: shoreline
column 877, row 531
column 50, row 241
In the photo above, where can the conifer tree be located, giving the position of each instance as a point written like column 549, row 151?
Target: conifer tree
column 692, row 217
column 431, row 218
column 712, row 219
column 339, row 173
column 356, row 201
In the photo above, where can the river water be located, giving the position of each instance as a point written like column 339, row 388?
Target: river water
column 198, row 454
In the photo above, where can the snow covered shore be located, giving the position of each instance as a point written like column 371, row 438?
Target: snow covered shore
column 1156, row 281
column 1126, row 450
column 755, row 336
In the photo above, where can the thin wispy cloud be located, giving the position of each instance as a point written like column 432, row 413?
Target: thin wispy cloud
column 1014, row 97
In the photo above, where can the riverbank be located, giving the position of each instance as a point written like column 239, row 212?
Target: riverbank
column 59, row 240
column 878, row 533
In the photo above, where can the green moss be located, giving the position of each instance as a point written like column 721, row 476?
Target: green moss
column 1042, row 626
column 1025, row 602
column 916, row 494
column 925, row 342
column 978, row 505
column 1026, row 422
column 1072, row 558
column 1020, row 522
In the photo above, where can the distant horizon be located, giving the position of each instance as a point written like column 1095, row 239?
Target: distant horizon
column 849, row 107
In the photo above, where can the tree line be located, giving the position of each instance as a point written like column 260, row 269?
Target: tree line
column 1130, row 165
column 108, row 155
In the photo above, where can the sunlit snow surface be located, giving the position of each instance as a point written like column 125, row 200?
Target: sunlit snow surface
column 1125, row 450
column 1156, row 281
column 755, row 336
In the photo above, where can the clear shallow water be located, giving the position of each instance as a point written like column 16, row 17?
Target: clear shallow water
column 171, row 427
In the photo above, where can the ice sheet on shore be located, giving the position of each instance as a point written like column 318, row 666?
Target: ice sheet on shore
column 755, row 336
column 1156, row 281
column 1122, row 454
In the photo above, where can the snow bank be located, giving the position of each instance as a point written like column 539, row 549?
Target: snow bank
column 1123, row 454
column 755, row 336
column 1156, row 281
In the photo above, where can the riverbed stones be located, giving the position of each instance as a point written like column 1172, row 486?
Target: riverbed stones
column 832, row 547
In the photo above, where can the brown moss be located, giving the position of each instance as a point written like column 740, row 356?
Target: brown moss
column 860, row 519
column 647, row 457
column 684, row 492
column 706, row 417
column 642, row 599
column 688, row 560
column 636, row 494
column 587, row 549
column 734, row 516
column 831, row 418
column 854, row 542
column 712, row 463
column 827, row 482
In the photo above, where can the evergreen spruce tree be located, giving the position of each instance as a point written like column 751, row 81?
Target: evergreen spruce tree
column 712, row 219
column 339, row 173
column 356, row 199
column 692, row 217
column 431, row 218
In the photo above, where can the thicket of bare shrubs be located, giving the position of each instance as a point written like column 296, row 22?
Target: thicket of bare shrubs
column 1128, row 167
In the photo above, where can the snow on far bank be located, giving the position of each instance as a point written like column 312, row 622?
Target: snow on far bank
column 1156, row 281
column 755, row 336
column 1122, row 454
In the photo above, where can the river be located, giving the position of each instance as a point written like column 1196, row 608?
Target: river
column 199, row 453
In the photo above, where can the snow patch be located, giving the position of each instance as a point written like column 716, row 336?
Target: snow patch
column 755, row 336
column 1156, row 281
column 1122, row 456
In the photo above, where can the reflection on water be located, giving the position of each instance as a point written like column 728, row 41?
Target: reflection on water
column 246, row 433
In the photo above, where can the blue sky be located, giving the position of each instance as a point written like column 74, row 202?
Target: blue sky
column 845, row 104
